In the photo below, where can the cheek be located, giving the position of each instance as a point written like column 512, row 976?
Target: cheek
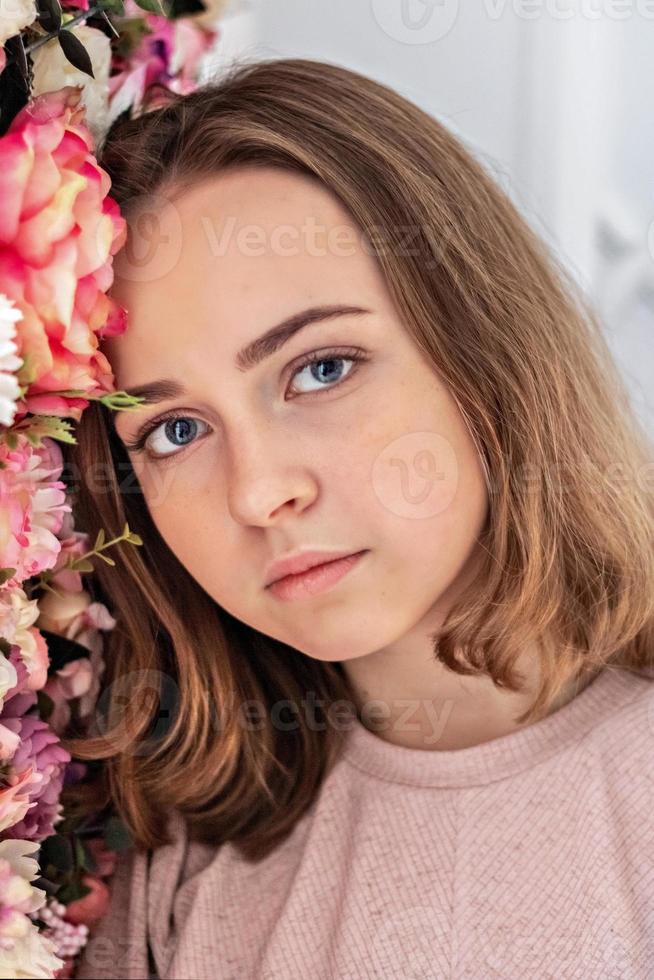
column 426, row 485
column 183, row 508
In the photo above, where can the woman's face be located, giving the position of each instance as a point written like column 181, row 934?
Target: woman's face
column 269, row 456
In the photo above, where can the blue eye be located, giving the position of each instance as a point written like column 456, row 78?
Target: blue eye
column 182, row 430
column 173, row 427
column 177, row 428
column 332, row 369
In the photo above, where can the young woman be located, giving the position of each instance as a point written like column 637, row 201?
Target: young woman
column 433, row 754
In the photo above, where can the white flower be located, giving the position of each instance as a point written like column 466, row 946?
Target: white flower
column 9, row 362
column 53, row 71
column 18, row 614
column 24, row 951
column 32, row 956
column 14, row 16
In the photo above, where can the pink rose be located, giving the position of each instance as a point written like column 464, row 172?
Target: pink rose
column 91, row 907
column 58, row 232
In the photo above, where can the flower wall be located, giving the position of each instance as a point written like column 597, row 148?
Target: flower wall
column 68, row 71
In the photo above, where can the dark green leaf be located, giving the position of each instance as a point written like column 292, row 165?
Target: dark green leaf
column 62, row 650
column 49, row 14
column 87, row 859
column 15, row 52
column 75, row 52
column 116, row 835
column 56, row 850
column 45, row 705
column 80, row 853
column 72, row 891
column 184, row 8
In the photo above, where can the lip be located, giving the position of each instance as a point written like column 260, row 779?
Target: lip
column 316, row 579
column 300, row 561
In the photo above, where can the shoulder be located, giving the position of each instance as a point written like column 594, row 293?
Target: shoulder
column 624, row 741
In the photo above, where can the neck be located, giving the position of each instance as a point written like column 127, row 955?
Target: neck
column 410, row 699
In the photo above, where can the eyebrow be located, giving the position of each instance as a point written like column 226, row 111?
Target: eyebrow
column 254, row 352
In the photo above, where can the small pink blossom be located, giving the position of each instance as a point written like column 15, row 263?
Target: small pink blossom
column 76, row 617
column 15, row 795
column 32, row 507
column 29, row 653
column 40, row 753
column 170, row 53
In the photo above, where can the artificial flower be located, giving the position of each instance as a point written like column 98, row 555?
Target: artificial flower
column 53, row 70
column 14, row 16
column 22, row 947
column 9, row 362
column 58, row 232
column 74, row 544
column 41, row 754
column 91, row 907
column 18, row 615
column 170, row 53
column 74, row 616
column 15, row 795
column 32, row 506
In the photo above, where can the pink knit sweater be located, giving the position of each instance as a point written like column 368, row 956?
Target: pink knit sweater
column 529, row 856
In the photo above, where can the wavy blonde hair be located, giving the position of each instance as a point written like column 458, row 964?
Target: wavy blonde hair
column 568, row 548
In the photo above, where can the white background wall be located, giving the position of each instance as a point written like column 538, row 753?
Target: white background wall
column 555, row 97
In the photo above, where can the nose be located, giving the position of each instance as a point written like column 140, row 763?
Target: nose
column 267, row 477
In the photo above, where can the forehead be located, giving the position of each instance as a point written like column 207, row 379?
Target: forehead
column 244, row 249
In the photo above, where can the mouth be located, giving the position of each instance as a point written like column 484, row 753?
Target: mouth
column 315, row 580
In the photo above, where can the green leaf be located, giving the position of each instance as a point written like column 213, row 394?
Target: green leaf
column 114, row 7
column 49, row 14
column 120, row 400
column 27, row 371
column 58, row 851
column 80, row 853
column 83, row 565
column 99, row 541
column 184, row 8
column 43, row 584
column 71, row 891
column 62, row 650
column 45, row 704
column 153, row 6
column 108, row 560
column 117, row 836
column 37, row 427
column 75, row 52
column 88, row 861
column 135, row 539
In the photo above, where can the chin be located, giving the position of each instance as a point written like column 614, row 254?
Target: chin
column 337, row 648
